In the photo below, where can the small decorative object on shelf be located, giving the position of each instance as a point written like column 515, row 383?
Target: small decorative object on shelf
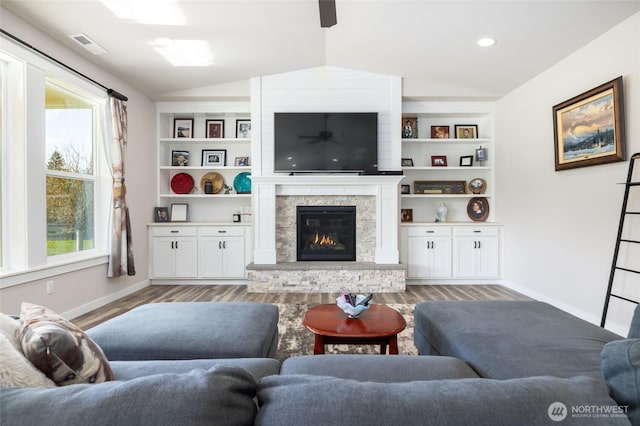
column 477, row 186
column 241, row 161
column 215, row 129
column 407, row 162
column 410, row 127
column 183, row 128
column 440, row 187
column 405, row 189
column 242, row 183
column 406, row 215
column 478, row 209
column 466, row 161
column 243, row 129
column 353, row 305
column 214, row 157
column 182, row 183
column 481, row 154
column 466, row 131
column 438, row 161
column 179, row 158
column 160, row 214
column 179, row 212
column 439, row 132
column 215, row 182
column 236, row 217
column 441, row 213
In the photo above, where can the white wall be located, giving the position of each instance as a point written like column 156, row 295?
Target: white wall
column 80, row 291
column 560, row 227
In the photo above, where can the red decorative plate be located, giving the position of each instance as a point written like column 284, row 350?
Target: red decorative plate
column 182, row 183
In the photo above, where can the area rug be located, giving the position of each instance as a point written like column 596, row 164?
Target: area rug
column 295, row 339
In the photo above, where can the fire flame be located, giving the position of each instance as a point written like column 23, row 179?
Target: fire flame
column 325, row 240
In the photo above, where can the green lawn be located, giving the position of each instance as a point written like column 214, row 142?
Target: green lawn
column 55, row 247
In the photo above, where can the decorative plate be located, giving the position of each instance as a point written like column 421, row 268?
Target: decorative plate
column 182, row 183
column 477, row 186
column 242, row 183
column 216, row 179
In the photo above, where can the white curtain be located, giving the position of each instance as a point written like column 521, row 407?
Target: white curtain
column 121, row 255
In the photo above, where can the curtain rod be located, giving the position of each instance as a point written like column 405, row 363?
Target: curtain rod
column 110, row 92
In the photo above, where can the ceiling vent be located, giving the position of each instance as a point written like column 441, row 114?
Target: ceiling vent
column 88, row 44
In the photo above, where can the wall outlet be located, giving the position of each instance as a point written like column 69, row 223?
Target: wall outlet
column 50, row 287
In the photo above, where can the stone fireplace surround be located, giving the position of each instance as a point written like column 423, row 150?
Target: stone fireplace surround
column 376, row 268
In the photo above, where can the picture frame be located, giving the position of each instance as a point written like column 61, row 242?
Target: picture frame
column 477, row 186
column 478, row 209
column 407, row 162
column 440, row 132
column 481, row 154
column 179, row 212
column 406, row 215
column 179, row 158
column 405, row 189
column 600, row 137
column 215, row 129
column 466, row 131
column 241, row 161
column 438, row 161
column 428, row 187
column 160, row 214
column 214, row 157
column 466, row 161
column 243, row 128
column 183, row 128
column 409, row 127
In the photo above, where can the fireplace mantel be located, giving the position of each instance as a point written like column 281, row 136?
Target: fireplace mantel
column 384, row 188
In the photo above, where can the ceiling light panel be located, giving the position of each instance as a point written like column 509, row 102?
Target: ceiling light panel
column 184, row 53
column 150, row 12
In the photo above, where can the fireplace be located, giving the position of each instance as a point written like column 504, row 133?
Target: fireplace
column 326, row 233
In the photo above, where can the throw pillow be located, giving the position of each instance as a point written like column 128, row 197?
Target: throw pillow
column 60, row 349
column 621, row 369
column 16, row 370
column 10, row 328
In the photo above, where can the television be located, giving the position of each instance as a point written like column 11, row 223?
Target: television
column 330, row 142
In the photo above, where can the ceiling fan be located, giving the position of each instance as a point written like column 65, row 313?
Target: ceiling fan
column 323, row 136
column 327, row 13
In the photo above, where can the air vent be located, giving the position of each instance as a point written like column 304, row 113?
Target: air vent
column 88, row 44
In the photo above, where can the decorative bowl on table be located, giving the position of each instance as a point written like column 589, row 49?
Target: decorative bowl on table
column 360, row 304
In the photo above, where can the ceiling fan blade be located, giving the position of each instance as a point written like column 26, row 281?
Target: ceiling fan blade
column 327, row 13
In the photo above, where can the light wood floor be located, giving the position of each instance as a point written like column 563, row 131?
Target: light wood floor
column 236, row 293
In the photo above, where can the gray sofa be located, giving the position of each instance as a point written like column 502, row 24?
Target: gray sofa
column 337, row 390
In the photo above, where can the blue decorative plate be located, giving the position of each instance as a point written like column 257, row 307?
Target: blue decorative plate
column 242, row 183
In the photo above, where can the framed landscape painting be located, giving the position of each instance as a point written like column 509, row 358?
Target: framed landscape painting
column 589, row 129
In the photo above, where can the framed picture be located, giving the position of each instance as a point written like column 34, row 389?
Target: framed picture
column 466, row 131
column 466, row 161
column 241, row 161
column 160, row 214
column 214, row 157
column 589, row 129
column 407, row 162
column 409, row 127
column 243, row 129
column 179, row 158
column 478, row 209
column 405, row 189
column 406, row 215
column 215, row 129
column 440, row 132
column 179, row 212
column 440, row 187
column 438, row 161
column 477, row 186
column 481, row 154
column 183, row 127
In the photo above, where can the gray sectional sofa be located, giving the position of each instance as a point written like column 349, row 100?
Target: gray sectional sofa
column 456, row 384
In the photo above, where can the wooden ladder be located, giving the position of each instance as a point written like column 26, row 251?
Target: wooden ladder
column 629, row 184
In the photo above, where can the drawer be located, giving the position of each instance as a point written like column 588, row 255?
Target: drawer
column 221, row 231
column 174, row 231
column 476, row 231
column 429, row 231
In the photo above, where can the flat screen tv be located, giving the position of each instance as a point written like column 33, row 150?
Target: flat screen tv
column 325, row 142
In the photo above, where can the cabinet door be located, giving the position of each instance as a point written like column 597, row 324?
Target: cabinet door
column 440, row 258
column 186, row 257
column 163, row 258
column 429, row 257
column 477, row 257
column 210, row 257
column 488, row 255
column 233, row 257
column 417, row 258
column 465, row 257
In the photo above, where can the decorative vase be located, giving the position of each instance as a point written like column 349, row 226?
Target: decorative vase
column 208, row 187
column 441, row 213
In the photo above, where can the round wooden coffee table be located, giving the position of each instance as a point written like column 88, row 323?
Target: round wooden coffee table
column 378, row 325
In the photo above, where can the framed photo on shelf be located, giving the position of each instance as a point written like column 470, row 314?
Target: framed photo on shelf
column 406, row 215
column 179, row 212
column 405, row 189
column 407, row 162
column 183, row 127
column 214, row 157
column 440, row 187
column 481, row 154
column 160, row 214
column 588, row 129
column 439, row 132
column 477, row 186
column 179, row 158
column 478, row 209
column 243, row 129
column 438, row 161
column 466, row 161
column 241, row 161
column 215, row 129
column 410, row 127
column 466, row 131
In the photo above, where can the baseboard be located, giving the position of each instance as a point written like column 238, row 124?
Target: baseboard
column 98, row 303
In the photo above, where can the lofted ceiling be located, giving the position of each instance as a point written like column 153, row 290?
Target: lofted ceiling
column 431, row 44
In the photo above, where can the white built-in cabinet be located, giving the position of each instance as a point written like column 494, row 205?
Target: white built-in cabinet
column 221, row 252
column 429, row 252
column 476, row 252
column 174, row 252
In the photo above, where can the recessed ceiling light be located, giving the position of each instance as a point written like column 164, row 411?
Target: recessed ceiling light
column 486, row 42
